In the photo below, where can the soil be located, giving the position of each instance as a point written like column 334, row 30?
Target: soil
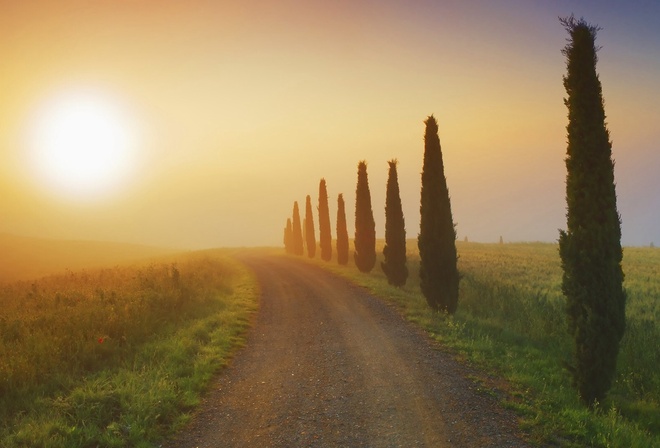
column 328, row 365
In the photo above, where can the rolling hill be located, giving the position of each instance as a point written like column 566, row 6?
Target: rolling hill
column 25, row 258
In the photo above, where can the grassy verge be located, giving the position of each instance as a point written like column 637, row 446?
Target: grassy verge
column 511, row 321
column 117, row 357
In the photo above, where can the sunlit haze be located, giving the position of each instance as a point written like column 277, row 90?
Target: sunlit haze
column 81, row 145
column 197, row 124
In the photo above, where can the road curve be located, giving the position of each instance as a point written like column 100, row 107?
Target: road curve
column 328, row 365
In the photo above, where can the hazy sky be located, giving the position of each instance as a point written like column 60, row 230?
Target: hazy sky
column 240, row 107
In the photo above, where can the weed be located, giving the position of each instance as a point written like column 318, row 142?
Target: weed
column 117, row 357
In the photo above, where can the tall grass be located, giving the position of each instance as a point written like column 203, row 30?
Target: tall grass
column 511, row 319
column 117, row 356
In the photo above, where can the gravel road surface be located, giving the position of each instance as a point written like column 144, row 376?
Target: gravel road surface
column 328, row 365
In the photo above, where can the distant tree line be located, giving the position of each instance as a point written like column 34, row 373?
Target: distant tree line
column 297, row 238
column 590, row 247
column 438, row 267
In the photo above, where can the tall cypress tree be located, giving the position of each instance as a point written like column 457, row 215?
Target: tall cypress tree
column 394, row 252
column 438, row 270
column 297, row 243
column 342, row 232
column 288, row 237
column 310, row 235
column 325, row 233
column 590, row 248
column 365, row 227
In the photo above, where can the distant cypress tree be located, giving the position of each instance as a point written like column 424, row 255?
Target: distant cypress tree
column 590, row 248
column 288, row 237
column 310, row 234
column 438, row 270
column 297, row 243
column 365, row 227
column 394, row 252
column 325, row 233
column 342, row 232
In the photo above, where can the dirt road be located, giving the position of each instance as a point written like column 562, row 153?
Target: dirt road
column 327, row 365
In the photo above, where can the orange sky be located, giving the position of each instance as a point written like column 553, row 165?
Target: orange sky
column 242, row 106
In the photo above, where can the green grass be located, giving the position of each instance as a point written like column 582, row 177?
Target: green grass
column 511, row 321
column 117, row 357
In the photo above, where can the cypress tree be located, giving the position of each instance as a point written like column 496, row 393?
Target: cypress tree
column 325, row 235
column 342, row 232
column 590, row 248
column 394, row 251
column 288, row 237
column 297, row 242
column 365, row 227
column 438, row 270
column 310, row 236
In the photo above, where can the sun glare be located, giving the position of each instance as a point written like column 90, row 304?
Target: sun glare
column 82, row 143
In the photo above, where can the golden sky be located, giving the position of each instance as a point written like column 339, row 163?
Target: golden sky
column 240, row 107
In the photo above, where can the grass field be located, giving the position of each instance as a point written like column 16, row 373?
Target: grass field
column 511, row 320
column 118, row 356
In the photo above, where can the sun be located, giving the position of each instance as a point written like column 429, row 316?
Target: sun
column 82, row 143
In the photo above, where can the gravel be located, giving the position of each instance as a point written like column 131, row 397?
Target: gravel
column 328, row 365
